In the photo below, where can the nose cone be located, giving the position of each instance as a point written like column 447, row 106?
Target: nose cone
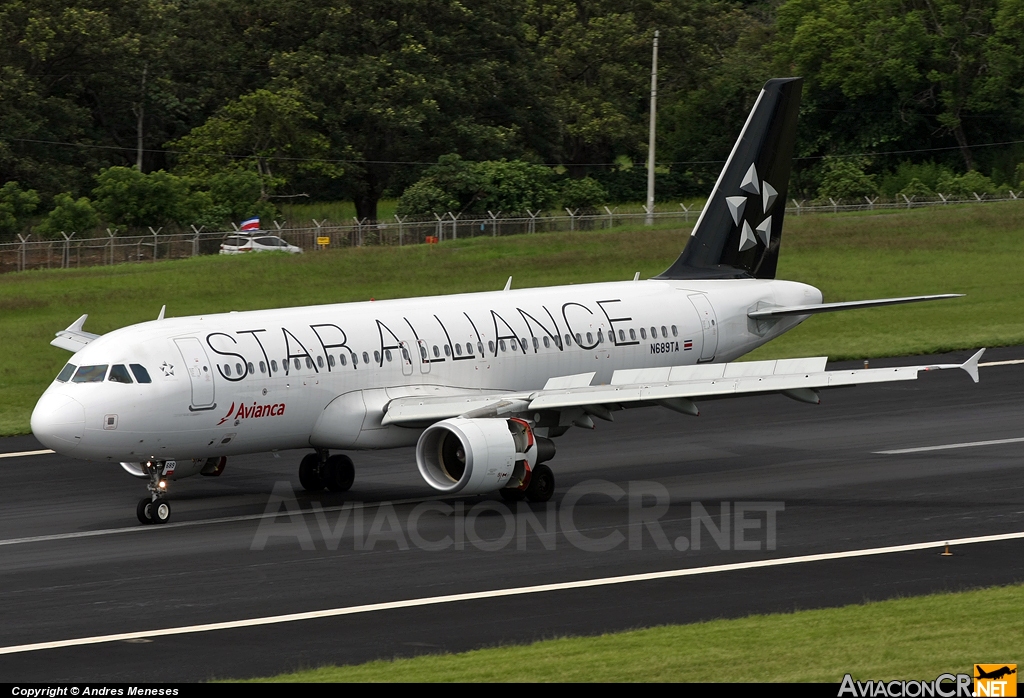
column 58, row 421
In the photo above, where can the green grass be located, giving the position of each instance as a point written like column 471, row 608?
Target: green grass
column 978, row 250
column 909, row 638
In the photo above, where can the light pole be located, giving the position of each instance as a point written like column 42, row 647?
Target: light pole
column 650, row 146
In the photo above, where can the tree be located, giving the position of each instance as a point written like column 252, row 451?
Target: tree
column 586, row 194
column 69, row 215
column 16, row 205
column 271, row 133
column 126, row 196
column 844, row 178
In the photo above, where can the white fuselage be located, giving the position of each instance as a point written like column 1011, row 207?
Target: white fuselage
column 220, row 385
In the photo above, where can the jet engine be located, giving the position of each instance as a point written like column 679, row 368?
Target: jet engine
column 474, row 456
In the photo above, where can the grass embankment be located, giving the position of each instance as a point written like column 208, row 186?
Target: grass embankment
column 912, row 638
column 978, row 250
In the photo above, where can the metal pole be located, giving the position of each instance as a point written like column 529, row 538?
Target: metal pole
column 650, row 145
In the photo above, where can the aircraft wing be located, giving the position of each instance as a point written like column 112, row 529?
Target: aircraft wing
column 74, row 337
column 674, row 387
column 762, row 313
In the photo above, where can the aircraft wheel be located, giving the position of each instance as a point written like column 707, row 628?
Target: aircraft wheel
column 510, row 494
column 143, row 510
column 309, row 473
column 542, row 484
column 160, row 510
column 339, row 473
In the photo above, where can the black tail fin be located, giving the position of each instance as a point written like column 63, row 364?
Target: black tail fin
column 740, row 229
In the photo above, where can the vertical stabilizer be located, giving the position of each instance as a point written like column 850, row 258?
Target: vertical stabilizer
column 739, row 231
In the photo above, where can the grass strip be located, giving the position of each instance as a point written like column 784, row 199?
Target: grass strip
column 978, row 250
column 914, row 638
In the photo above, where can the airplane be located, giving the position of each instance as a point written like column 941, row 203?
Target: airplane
column 995, row 674
column 480, row 383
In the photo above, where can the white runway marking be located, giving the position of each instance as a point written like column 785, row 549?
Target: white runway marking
column 44, row 452
column 1012, row 362
column 944, row 447
column 499, row 593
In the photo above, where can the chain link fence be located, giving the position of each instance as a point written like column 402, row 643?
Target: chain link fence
column 71, row 251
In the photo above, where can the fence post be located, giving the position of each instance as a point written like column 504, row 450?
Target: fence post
column 871, row 203
column 908, row 200
column 65, row 258
column 494, row 223
column 359, row 228
column 110, row 243
column 835, row 205
column 649, row 210
column 440, row 229
column 23, row 252
column 155, row 233
column 797, row 204
column 572, row 218
column 979, row 198
column 611, row 216
column 195, row 238
column 944, row 199
column 686, row 213
column 401, row 226
column 1012, row 195
column 455, row 233
column 532, row 227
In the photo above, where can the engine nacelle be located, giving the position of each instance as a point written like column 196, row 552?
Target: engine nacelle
column 473, row 456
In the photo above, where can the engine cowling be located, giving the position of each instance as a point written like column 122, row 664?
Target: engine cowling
column 474, row 456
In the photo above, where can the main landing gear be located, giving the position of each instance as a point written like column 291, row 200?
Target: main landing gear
column 540, row 488
column 155, row 508
column 319, row 470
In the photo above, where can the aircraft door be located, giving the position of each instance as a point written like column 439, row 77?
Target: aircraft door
column 406, row 358
column 424, row 356
column 708, row 324
column 200, row 373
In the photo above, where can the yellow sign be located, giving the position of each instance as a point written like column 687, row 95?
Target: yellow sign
column 995, row 680
column 323, row 240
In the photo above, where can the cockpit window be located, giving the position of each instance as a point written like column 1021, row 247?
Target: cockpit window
column 65, row 373
column 90, row 374
column 119, row 374
column 141, row 374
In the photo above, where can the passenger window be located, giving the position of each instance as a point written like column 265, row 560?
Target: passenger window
column 675, row 331
column 342, row 359
column 437, row 352
column 263, row 367
column 664, row 332
column 90, row 374
column 330, row 361
column 536, row 344
column 273, row 366
column 309, row 362
column 239, row 369
column 654, row 333
column 480, row 346
column 405, row 355
column 251, row 369
column 447, row 350
column 590, row 337
column 458, row 349
column 632, row 334
column 141, row 374
column 298, row 364
column 387, row 354
column 320, row 361
column 119, row 374
column 227, row 369
column 579, row 339
column 547, row 342
column 376, row 357
column 501, row 344
column 600, row 337
column 66, row 373
column 366, row 358
column 568, row 341
column 643, row 333
column 622, row 336
column 490, row 345
column 423, row 353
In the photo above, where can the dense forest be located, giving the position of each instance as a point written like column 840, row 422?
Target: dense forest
column 163, row 111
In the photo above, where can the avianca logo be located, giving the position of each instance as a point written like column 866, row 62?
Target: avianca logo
column 252, row 411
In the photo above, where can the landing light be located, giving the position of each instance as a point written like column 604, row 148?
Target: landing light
column 162, row 485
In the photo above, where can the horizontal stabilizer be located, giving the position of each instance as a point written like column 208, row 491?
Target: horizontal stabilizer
column 74, row 338
column 847, row 305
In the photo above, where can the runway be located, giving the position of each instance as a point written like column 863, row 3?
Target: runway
column 634, row 497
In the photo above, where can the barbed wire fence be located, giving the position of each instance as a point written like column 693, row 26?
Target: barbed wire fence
column 71, row 250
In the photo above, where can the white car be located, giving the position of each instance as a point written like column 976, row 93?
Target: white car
column 237, row 244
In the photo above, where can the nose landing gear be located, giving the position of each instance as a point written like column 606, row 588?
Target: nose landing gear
column 155, row 508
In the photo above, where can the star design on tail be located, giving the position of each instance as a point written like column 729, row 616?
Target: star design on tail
column 738, row 204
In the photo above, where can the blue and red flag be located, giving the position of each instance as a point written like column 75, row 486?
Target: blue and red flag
column 251, row 224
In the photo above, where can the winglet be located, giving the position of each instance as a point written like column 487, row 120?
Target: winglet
column 971, row 365
column 508, row 284
column 74, row 337
column 163, row 309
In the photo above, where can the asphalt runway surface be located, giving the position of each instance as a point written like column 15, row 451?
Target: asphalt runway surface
column 798, row 479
